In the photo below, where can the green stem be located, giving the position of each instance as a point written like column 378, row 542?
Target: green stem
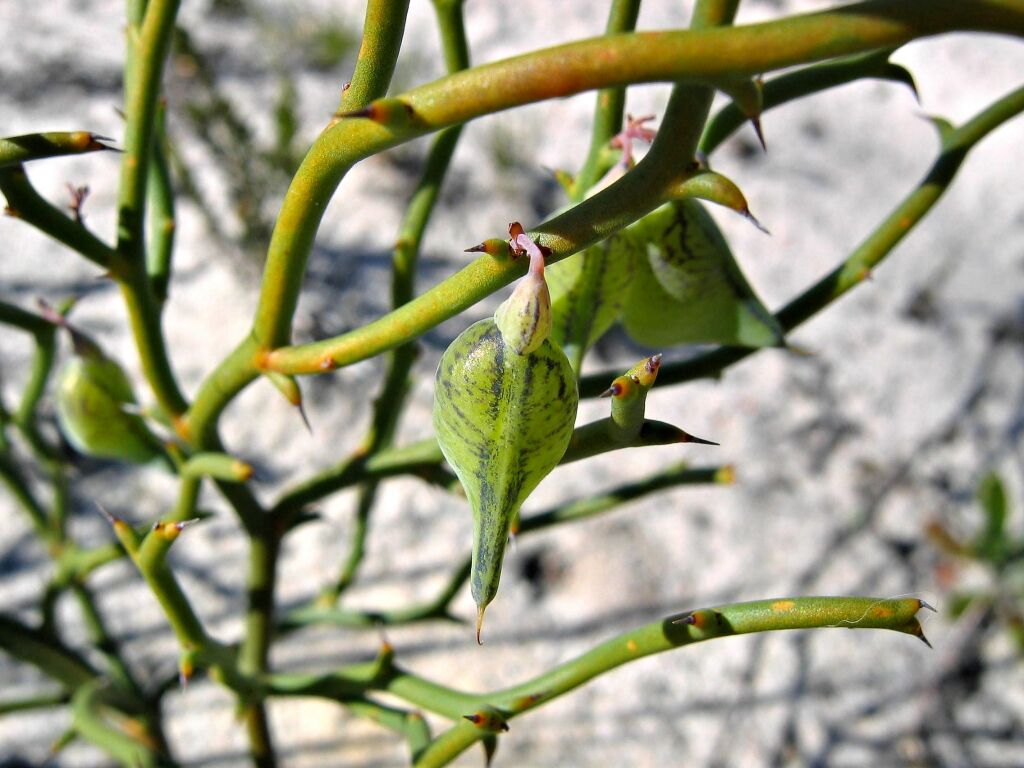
column 24, row 418
column 88, row 708
column 389, row 404
column 102, row 640
column 667, row 634
column 149, row 44
column 31, row 703
column 383, row 29
column 39, row 374
column 713, row 13
column 804, row 82
column 259, row 616
column 357, row 544
column 144, row 318
column 22, row 492
column 179, row 612
column 956, row 144
column 149, row 41
column 607, row 123
column 36, row 146
column 422, row 458
column 162, row 218
column 25, row 203
column 411, row 725
column 149, row 556
column 45, row 653
column 147, row 715
column 16, row 317
column 673, row 632
column 661, row 171
column 609, row 107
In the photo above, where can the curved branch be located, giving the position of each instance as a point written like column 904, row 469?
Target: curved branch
column 956, row 143
column 670, row 633
column 704, row 56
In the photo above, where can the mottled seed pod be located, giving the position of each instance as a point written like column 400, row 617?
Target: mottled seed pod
column 689, row 288
column 504, row 408
column 588, row 291
column 95, row 405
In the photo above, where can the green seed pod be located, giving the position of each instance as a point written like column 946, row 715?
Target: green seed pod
column 504, row 408
column 588, row 292
column 689, row 289
column 94, row 404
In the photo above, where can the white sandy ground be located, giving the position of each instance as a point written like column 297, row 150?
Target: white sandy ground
column 857, row 438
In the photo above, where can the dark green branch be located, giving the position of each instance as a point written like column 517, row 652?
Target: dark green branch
column 44, row 652
column 322, row 611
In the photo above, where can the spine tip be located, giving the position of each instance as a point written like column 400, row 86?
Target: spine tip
column 480, row 623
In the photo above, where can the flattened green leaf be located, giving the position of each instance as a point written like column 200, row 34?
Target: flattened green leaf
column 689, row 289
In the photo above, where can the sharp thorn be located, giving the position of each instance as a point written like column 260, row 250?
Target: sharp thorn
column 101, row 141
column 608, row 392
column 756, row 122
column 481, row 248
column 923, row 639
column 688, row 438
column 480, row 623
column 926, row 605
column 305, row 418
column 103, row 511
column 753, row 220
column 688, row 619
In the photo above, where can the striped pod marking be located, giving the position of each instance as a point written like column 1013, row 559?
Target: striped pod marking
column 503, row 421
column 689, row 288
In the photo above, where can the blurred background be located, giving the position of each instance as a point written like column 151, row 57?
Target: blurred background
column 857, row 464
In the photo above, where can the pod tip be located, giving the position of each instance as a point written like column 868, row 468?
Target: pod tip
column 480, row 622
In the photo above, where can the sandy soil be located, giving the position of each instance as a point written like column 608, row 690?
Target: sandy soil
column 911, row 390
